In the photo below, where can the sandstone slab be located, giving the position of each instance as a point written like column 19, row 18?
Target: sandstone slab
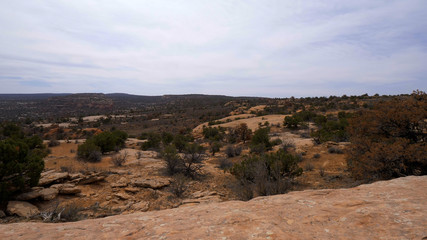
column 33, row 194
column 393, row 209
column 52, row 177
column 22, row 209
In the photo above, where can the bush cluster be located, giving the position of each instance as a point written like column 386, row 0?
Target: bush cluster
column 266, row 174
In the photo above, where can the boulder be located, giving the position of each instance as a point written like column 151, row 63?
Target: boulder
column 151, row 183
column 52, row 177
column 22, row 209
column 33, row 194
column 49, row 193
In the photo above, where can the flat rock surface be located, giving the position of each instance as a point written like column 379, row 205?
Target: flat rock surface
column 395, row 209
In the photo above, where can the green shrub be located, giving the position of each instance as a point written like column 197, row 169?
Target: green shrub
column 260, row 140
column 153, row 141
column 21, row 161
column 267, row 174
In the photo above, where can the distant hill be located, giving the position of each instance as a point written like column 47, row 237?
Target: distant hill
column 21, row 106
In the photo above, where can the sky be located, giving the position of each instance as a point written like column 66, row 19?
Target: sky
column 270, row 48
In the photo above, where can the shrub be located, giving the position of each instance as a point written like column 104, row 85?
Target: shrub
column 332, row 130
column 68, row 213
column 167, row 138
column 89, row 152
column 309, row 167
column 243, row 132
column 267, row 174
column 178, row 185
column 336, row 150
column 225, row 163
column 53, row 143
column 260, row 140
column 109, row 141
column 316, row 155
column 194, row 154
column 215, row 147
column 212, row 133
column 389, row 140
column 276, row 142
column 173, row 161
column 119, row 159
column 21, row 161
column 153, row 141
column 229, row 150
column 180, row 141
column 287, row 143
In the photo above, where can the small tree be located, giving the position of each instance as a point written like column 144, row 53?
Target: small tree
column 172, row 159
column 243, row 132
column 260, row 140
column 215, row 147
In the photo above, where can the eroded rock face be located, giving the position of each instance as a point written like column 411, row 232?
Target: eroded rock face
column 22, row 209
column 393, row 209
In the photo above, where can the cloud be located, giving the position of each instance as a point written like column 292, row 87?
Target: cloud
column 266, row 48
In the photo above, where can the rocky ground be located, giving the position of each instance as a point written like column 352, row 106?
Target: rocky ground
column 394, row 209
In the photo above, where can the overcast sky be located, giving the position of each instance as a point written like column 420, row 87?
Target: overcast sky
column 238, row 48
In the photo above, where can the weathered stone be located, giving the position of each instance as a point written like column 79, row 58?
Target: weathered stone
column 22, row 209
column 131, row 190
column 70, row 190
column 383, row 210
column 52, row 177
column 122, row 196
column 141, row 206
column 48, row 193
column 33, row 194
column 200, row 194
column 151, row 183
column 74, row 176
column 92, row 179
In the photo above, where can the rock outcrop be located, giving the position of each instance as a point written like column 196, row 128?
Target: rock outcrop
column 393, row 209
